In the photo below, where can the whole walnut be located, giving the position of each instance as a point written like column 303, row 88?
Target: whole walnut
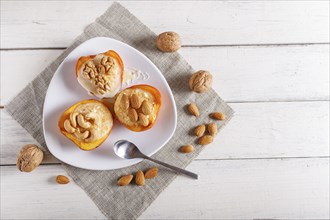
column 168, row 42
column 29, row 157
column 201, row 81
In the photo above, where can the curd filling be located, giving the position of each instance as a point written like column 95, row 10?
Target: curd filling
column 101, row 76
column 98, row 116
column 122, row 113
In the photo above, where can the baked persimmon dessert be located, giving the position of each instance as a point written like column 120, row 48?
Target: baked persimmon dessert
column 102, row 74
column 87, row 124
column 137, row 107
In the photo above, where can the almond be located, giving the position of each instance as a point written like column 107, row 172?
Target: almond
column 212, row 128
column 135, row 101
column 124, row 180
column 218, row 116
column 199, row 130
column 132, row 114
column 146, row 107
column 192, row 108
column 206, row 139
column 62, row 179
column 151, row 173
column 125, row 101
column 139, row 178
column 143, row 119
column 186, row 149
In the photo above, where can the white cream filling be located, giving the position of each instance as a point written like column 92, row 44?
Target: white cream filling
column 113, row 79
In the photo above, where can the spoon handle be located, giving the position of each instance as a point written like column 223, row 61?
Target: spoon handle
column 177, row 169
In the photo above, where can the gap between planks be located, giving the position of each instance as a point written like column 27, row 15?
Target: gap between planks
column 186, row 46
column 261, row 101
column 226, row 159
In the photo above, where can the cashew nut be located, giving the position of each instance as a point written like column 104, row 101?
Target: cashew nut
column 82, row 123
column 87, row 69
column 101, row 69
column 107, row 87
column 100, row 84
column 92, row 74
column 107, row 68
column 81, row 136
column 86, row 75
column 91, row 137
column 104, row 60
column 68, row 127
column 90, row 64
column 73, row 119
column 100, row 91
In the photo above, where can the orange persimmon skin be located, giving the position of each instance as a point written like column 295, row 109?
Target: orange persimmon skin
column 158, row 101
column 109, row 53
column 81, row 144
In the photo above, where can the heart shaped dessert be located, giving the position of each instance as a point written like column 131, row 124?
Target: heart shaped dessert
column 102, row 74
column 87, row 123
column 137, row 107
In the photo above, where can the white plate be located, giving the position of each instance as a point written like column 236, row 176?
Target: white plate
column 64, row 90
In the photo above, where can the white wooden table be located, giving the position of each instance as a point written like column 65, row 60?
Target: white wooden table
column 270, row 61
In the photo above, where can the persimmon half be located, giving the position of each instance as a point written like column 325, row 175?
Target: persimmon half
column 137, row 107
column 87, row 124
column 102, row 74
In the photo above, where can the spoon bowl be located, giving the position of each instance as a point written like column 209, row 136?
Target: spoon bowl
column 127, row 150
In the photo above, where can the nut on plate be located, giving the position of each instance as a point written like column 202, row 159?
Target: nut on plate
column 29, row 157
column 168, row 42
column 137, row 107
column 201, row 81
column 87, row 123
column 101, row 74
column 135, row 101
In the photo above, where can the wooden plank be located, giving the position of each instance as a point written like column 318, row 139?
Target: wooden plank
column 13, row 138
column 28, row 24
column 240, row 73
column 18, row 68
column 258, row 130
column 42, row 196
column 239, row 189
column 286, row 73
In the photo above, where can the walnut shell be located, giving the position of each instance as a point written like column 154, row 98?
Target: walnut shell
column 29, row 157
column 201, row 81
column 168, row 42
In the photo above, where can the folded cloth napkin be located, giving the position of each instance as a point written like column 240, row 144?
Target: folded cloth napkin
column 130, row 201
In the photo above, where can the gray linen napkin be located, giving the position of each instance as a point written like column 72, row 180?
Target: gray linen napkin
column 130, row 201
